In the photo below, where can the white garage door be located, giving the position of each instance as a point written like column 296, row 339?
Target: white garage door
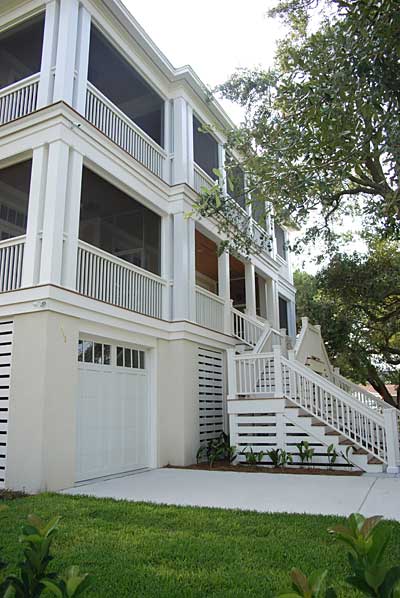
column 113, row 412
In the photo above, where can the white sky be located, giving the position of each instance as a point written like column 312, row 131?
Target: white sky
column 213, row 36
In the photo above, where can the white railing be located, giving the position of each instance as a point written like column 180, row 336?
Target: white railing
column 339, row 410
column 107, row 278
column 255, row 374
column 111, row 121
column 201, row 179
column 209, row 310
column 361, row 394
column 19, row 99
column 11, row 259
column 245, row 328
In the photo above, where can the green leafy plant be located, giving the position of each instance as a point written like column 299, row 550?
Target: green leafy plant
column 311, row 587
column 366, row 540
column 217, row 449
column 332, row 454
column 279, row 457
column 253, row 458
column 346, row 455
column 33, row 579
column 306, row 452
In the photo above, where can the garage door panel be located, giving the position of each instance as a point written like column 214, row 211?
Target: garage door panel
column 112, row 421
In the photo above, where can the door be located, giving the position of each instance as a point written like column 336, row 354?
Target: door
column 112, row 410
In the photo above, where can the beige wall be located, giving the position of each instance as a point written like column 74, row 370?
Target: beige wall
column 44, row 382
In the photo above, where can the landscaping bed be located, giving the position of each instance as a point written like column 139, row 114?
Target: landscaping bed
column 244, row 468
column 137, row 549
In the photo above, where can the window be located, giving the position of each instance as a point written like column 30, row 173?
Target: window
column 92, row 352
column 120, row 83
column 283, row 314
column 205, row 149
column 280, row 241
column 113, row 221
column 14, row 198
column 130, row 358
column 21, row 51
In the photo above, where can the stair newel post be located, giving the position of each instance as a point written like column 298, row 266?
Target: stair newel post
column 292, row 374
column 231, row 370
column 392, row 440
column 277, row 350
column 283, row 333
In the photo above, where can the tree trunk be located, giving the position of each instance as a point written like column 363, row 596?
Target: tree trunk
column 380, row 387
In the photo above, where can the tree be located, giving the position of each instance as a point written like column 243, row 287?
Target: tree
column 356, row 299
column 321, row 138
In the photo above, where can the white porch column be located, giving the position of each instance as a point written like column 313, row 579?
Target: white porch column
column 72, row 214
column 250, row 285
column 46, row 83
column 182, row 170
column 82, row 59
column 66, row 51
column 167, row 265
column 263, row 293
column 33, row 242
column 272, row 303
column 392, row 440
column 184, row 268
column 54, row 211
column 221, row 167
column 224, row 290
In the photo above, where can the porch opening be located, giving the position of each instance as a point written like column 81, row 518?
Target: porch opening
column 113, row 221
column 21, row 51
column 236, row 187
column 205, row 149
column 206, row 263
column 111, row 74
column 283, row 314
column 237, row 283
column 280, row 241
column 14, row 198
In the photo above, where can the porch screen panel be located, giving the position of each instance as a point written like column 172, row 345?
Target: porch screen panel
column 211, row 394
column 14, row 198
column 21, row 51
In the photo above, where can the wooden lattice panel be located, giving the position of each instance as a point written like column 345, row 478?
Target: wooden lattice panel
column 211, row 393
column 6, row 340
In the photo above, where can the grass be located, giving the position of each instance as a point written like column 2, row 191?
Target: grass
column 147, row 550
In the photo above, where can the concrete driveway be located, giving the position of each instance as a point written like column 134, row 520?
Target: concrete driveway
column 368, row 494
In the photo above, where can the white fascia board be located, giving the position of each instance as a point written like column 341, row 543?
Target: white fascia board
column 12, row 13
column 92, row 312
column 286, row 289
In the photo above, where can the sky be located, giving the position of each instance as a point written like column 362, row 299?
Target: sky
column 213, row 36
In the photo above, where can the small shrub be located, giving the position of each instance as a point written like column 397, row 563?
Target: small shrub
column 306, row 452
column 33, row 580
column 332, row 455
column 253, row 458
column 217, row 449
column 279, row 457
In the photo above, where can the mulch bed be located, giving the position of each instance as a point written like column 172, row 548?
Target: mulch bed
column 224, row 466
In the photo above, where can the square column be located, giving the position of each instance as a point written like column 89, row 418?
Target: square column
column 224, row 289
column 263, row 293
column 250, row 285
column 183, row 296
column 272, row 303
column 66, row 51
column 82, row 59
column 72, row 217
column 182, row 166
column 46, row 83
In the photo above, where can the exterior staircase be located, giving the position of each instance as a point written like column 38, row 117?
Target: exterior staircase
column 275, row 401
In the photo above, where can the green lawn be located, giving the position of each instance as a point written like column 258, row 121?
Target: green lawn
column 147, row 550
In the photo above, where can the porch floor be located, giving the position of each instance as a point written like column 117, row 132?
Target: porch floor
column 327, row 495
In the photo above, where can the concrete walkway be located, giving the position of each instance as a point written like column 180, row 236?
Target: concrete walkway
column 368, row 494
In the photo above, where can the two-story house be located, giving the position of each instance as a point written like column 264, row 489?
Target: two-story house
column 121, row 326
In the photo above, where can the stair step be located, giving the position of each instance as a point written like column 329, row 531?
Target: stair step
column 374, row 461
column 360, row 451
column 316, row 422
column 332, row 433
column 346, row 441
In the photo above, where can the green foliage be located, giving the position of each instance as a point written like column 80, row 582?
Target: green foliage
column 217, row 449
column 321, row 138
column 332, row 454
column 311, row 587
column 356, row 299
column 33, row 579
column 253, row 458
column 279, row 457
column 306, row 452
column 366, row 541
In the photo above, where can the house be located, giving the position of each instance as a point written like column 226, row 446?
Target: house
column 126, row 341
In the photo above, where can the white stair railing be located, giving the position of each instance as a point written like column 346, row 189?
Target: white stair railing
column 245, row 328
column 19, row 99
column 255, row 374
column 361, row 394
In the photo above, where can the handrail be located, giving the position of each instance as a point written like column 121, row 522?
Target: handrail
column 121, row 262
column 361, row 394
column 209, row 294
column 19, row 84
column 19, row 99
column 246, row 328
